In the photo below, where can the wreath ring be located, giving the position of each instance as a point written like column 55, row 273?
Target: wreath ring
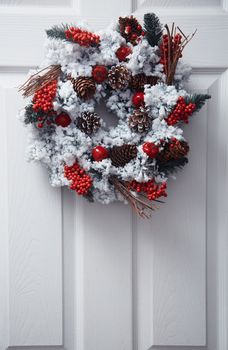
column 138, row 72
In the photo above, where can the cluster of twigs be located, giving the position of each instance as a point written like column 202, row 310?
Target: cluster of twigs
column 40, row 79
column 174, row 52
column 138, row 201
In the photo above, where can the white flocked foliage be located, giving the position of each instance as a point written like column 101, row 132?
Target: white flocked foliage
column 63, row 146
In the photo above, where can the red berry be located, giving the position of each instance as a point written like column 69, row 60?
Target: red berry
column 99, row 153
column 63, row 120
column 139, row 27
column 99, row 73
column 150, row 149
column 123, row 52
column 138, row 99
column 134, row 36
column 127, row 29
column 40, row 125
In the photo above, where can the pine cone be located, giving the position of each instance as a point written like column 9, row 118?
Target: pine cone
column 85, row 87
column 139, row 121
column 139, row 80
column 150, row 80
column 130, row 29
column 89, row 122
column 174, row 150
column 119, row 77
column 121, row 155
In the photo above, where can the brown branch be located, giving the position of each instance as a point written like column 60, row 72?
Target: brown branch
column 40, row 79
column 174, row 54
column 139, row 204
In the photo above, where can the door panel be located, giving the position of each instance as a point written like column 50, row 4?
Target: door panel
column 83, row 276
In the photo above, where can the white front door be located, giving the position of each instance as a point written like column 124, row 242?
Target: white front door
column 80, row 276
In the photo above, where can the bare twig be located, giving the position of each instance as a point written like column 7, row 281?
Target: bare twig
column 40, row 79
column 174, row 52
column 138, row 202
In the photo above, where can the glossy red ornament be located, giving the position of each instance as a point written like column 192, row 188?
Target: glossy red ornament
column 138, row 99
column 99, row 73
column 123, row 52
column 150, row 149
column 99, row 153
column 63, row 120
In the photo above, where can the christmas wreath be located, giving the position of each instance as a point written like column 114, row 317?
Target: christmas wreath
column 137, row 73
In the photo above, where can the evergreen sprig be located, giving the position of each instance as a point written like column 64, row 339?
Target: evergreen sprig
column 152, row 28
column 58, row 32
column 30, row 115
column 172, row 166
column 198, row 99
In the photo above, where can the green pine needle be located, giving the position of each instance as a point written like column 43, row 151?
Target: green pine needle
column 172, row 166
column 152, row 28
column 30, row 115
column 198, row 99
column 57, row 32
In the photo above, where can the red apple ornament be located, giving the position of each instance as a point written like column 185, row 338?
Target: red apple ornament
column 99, row 73
column 123, row 52
column 99, row 153
column 138, row 99
column 63, row 120
column 150, row 149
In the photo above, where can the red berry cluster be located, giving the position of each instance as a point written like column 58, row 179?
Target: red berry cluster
column 82, row 37
column 151, row 188
column 181, row 112
column 165, row 49
column 43, row 98
column 80, row 181
column 134, row 35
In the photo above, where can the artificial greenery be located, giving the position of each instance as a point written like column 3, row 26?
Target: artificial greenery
column 152, row 28
column 58, row 31
column 30, row 115
column 172, row 166
column 198, row 99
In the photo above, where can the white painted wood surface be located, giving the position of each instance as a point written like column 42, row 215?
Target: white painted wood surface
column 79, row 276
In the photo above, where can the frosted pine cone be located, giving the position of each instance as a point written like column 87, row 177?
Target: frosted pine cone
column 121, row 155
column 89, row 122
column 85, row 87
column 139, row 121
column 119, row 77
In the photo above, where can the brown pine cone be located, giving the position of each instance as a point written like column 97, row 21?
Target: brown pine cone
column 121, row 155
column 85, row 87
column 174, row 150
column 139, row 80
column 89, row 122
column 130, row 29
column 150, row 80
column 119, row 77
column 139, row 121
